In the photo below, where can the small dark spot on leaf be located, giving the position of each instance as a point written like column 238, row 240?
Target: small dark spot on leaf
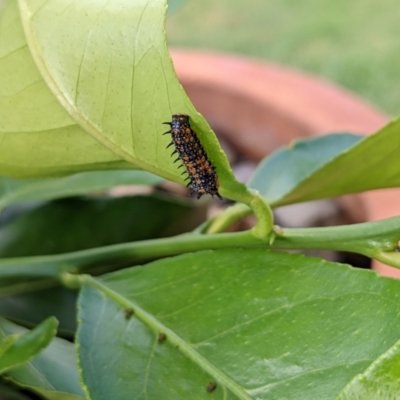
column 128, row 313
column 211, row 386
column 162, row 337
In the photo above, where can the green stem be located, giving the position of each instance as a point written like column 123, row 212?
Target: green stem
column 374, row 239
column 265, row 218
column 259, row 207
column 227, row 218
column 368, row 238
column 26, row 287
column 390, row 258
column 122, row 254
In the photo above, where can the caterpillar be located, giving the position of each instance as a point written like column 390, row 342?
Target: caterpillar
column 201, row 173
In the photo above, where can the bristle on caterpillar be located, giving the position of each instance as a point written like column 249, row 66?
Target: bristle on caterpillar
column 201, row 173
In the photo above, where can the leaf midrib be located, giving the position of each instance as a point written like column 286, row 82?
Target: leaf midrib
column 71, row 108
column 177, row 341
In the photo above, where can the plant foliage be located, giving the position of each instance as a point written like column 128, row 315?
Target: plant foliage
column 154, row 301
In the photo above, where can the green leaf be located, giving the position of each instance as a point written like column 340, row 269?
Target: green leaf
column 19, row 191
column 283, row 171
column 53, row 374
column 379, row 382
column 77, row 224
column 331, row 166
column 112, row 86
column 32, row 307
column 17, row 348
column 257, row 324
column 38, row 137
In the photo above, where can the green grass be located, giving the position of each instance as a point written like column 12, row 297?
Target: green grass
column 353, row 43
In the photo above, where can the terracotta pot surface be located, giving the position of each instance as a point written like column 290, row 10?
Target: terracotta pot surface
column 246, row 100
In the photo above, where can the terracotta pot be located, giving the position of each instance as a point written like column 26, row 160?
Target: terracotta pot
column 246, row 99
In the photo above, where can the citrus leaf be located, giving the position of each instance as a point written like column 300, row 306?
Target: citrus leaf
column 53, row 373
column 20, row 191
column 248, row 324
column 112, row 80
column 17, row 348
column 379, row 382
column 37, row 136
column 283, row 171
column 331, row 166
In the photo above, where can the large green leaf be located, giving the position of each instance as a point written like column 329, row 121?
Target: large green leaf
column 18, row 347
column 53, row 373
column 19, row 191
column 330, row 166
column 257, row 324
column 112, row 85
column 37, row 136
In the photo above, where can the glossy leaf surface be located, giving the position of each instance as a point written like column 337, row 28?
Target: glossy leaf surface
column 330, row 166
column 16, row 348
column 53, row 373
column 379, row 382
column 102, row 82
column 38, row 136
column 257, row 324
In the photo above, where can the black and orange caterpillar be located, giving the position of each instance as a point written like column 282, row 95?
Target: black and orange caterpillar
column 202, row 176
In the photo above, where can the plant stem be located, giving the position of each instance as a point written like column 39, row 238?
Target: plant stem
column 26, row 287
column 265, row 218
column 227, row 218
column 134, row 252
column 373, row 239
column 258, row 206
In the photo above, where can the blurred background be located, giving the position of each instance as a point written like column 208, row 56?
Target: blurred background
column 352, row 43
